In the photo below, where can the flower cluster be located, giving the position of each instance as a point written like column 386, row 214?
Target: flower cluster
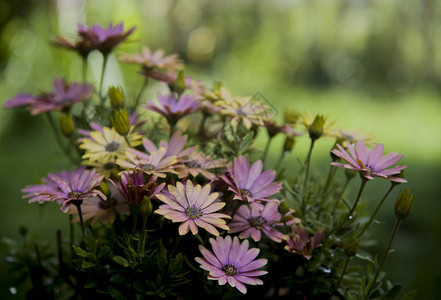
column 191, row 164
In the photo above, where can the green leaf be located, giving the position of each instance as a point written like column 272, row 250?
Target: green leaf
column 87, row 264
column 121, row 261
column 117, row 278
column 90, row 285
column 80, row 251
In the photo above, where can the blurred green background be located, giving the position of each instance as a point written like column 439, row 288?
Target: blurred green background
column 373, row 65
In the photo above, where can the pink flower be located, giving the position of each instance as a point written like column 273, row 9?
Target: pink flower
column 173, row 109
column 232, row 262
column 249, row 183
column 300, row 243
column 153, row 60
column 174, row 147
column 63, row 96
column 370, row 163
column 195, row 206
column 251, row 221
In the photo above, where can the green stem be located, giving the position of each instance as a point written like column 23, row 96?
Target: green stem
column 360, row 191
column 394, row 232
column 141, row 91
column 279, row 161
column 80, row 214
column 307, row 163
column 135, row 222
column 141, row 245
column 201, row 125
column 344, row 270
column 58, row 137
column 376, row 210
column 84, row 69
column 341, row 194
column 265, row 152
column 325, row 190
column 71, row 234
column 103, row 69
column 172, row 130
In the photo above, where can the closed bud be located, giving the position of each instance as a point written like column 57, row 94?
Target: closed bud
column 334, row 157
column 104, row 188
column 351, row 247
column 403, row 205
column 66, row 124
column 283, row 207
column 116, row 96
column 179, row 86
column 146, row 207
column 291, row 116
column 316, row 128
column 120, row 121
column 289, row 144
column 400, row 175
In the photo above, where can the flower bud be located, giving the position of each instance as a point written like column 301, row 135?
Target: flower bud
column 400, row 175
column 179, row 86
column 403, row 205
column 289, row 144
column 351, row 247
column 66, row 124
column 146, row 207
column 104, row 188
column 116, row 96
column 350, row 174
column 316, row 128
column 291, row 116
column 121, row 121
column 334, row 157
column 283, row 207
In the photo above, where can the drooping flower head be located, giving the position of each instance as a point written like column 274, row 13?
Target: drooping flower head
column 62, row 97
column 155, row 164
column 370, row 163
column 134, row 187
column 232, row 262
column 173, row 147
column 300, row 243
column 104, row 39
column 173, row 110
column 96, row 208
column 77, row 187
column 251, row 221
column 249, row 183
column 194, row 206
column 245, row 111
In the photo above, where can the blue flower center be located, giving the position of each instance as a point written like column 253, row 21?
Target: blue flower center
column 193, row 212
column 257, row 222
column 112, row 147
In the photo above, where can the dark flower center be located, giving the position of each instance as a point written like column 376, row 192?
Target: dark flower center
column 109, row 166
column 245, row 192
column 257, row 222
column 193, row 212
column 75, row 194
column 148, row 168
column 112, row 147
column 229, row 270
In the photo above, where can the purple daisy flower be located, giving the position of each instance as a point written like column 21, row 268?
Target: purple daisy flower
column 173, row 147
column 173, row 110
column 74, row 188
column 232, row 262
column 104, row 39
column 249, row 183
column 134, row 187
column 370, row 163
column 301, row 244
column 251, row 221
column 64, row 95
column 194, row 206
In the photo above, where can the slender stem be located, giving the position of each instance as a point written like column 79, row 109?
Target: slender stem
column 201, row 125
column 71, row 234
column 328, row 183
column 80, row 214
column 199, row 238
column 58, row 137
column 141, row 91
column 265, row 152
column 223, row 292
column 135, row 222
column 348, row 179
column 376, row 210
column 308, row 162
column 84, row 69
column 363, row 184
column 141, row 245
column 344, row 270
column 279, row 161
column 394, row 232
column 172, row 130
column 103, row 69
column 126, row 138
